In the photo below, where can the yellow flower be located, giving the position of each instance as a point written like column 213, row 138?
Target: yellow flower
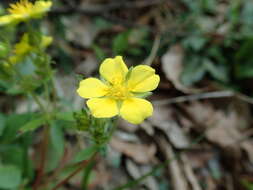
column 46, row 41
column 118, row 93
column 22, row 48
column 24, row 10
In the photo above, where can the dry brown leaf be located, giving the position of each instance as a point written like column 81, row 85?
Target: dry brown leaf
column 189, row 173
column 136, row 172
column 140, row 153
column 222, row 128
column 82, row 32
column 88, row 66
column 163, row 120
column 172, row 65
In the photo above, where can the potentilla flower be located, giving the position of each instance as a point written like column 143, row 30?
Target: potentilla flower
column 24, row 10
column 22, row 48
column 120, row 91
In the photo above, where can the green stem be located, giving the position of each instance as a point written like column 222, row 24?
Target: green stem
column 44, row 147
column 80, row 168
column 36, row 99
column 86, row 174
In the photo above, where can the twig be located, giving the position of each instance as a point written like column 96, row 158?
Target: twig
column 206, row 95
column 217, row 94
column 80, row 168
column 154, row 50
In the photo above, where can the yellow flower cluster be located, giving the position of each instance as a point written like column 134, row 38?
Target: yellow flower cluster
column 25, row 10
column 23, row 47
column 118, row 93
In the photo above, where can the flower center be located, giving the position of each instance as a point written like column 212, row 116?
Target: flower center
column 118, row 90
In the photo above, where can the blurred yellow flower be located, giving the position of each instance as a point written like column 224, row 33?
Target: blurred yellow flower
column 24, row 47
column 46, row 41
column 21, row 49
column 24, row 10
column 118, row 93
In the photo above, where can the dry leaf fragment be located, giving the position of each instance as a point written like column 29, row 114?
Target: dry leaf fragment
column 162, row 119
column 82, row 32
column 178, row 179
column 222, row 128
column 140, row 153
column 138, row 171
column 172, row 65
column 189, row 173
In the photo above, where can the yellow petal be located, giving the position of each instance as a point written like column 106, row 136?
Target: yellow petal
column 135, row 110
column 113, row 69
column 91, row 88
column 143, row 79
column 103, row 107
column 148, row 84
column 7, row 19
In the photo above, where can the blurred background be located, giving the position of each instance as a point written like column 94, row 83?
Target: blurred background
column 203, row 52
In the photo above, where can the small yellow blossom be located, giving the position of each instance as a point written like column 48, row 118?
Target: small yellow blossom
column 22, row 48
column 118, row 93
column 46, row 41
column 24, row 10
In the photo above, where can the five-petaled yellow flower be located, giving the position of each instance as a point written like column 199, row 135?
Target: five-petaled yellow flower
column 24, row 10
column 118, row 93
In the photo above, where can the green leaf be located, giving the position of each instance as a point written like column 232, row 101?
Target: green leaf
column 85, row 154
column 12, row 154
column 56, row 146
column 33, row 124
column 248, row 185
column 120, row 43
column 13, row 123
column 218, row 71
column 66, row 116
column 2, row 123
column 193, row 72
column 100, row 53
column 26, row 67
column 10, row 177
column 194, row 42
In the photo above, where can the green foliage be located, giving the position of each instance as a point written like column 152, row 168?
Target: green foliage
column 33, row 124
column 131, row 42
column 13, row 124
column 85, row 154
column 215, row 50
column 10, row 177
column 248, row 185
column 2, row 123
column 56, row 146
